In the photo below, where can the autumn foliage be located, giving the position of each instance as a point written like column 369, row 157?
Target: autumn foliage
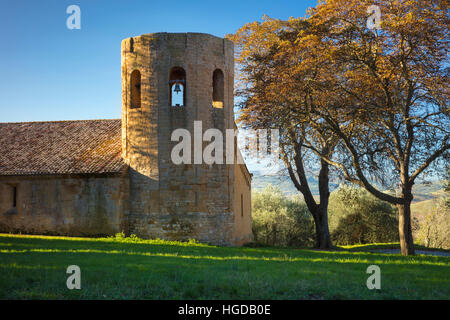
column 372, row 103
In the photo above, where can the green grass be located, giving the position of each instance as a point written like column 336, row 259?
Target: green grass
column 34, row 267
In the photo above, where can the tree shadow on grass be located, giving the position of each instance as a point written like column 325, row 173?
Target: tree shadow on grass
column 35, row 268
column 199, row 251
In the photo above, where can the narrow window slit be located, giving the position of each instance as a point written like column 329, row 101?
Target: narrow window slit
column 14, row 197
column 135, row 89
column 242, row 205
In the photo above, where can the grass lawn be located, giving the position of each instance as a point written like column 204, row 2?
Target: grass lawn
column 34, row 267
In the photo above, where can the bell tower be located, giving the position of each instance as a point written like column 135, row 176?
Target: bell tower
column 170, row 81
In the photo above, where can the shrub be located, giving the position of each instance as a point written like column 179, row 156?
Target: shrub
column 279, row 220
column 434, row 230
column 122, row 238
column 355, row 216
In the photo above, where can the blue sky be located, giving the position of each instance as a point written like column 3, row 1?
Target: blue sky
column 49, row 72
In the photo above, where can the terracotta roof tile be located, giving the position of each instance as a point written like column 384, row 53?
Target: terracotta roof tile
column 61, row 147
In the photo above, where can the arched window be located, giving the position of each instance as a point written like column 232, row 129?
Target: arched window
column 177, row 87
column 218, row 89
column 135, row 89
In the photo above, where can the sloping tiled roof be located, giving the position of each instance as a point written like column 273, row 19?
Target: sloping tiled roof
column 61, row 147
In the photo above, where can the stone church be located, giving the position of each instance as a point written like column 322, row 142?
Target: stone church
column 101, row 177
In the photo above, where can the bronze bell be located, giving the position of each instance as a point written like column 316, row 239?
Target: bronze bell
column 177, row 88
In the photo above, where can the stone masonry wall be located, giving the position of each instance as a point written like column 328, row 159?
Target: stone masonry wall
column 167, row 200
column 64, row 205
column 242, row 205
column 154, row 198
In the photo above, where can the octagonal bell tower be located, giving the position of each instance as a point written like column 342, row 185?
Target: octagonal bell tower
column 170, row 80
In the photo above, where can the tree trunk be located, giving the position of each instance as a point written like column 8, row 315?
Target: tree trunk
column 404, row 227
column 323, row 240
column 318, row 211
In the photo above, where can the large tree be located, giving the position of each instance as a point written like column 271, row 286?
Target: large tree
column 379, row 98
column 390, row 93
column 264, row 65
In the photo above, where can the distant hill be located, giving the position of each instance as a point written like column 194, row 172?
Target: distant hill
column 420, row 209
column 421, row 192
column 426, row 195
column 259, row 182
column 428, row 191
